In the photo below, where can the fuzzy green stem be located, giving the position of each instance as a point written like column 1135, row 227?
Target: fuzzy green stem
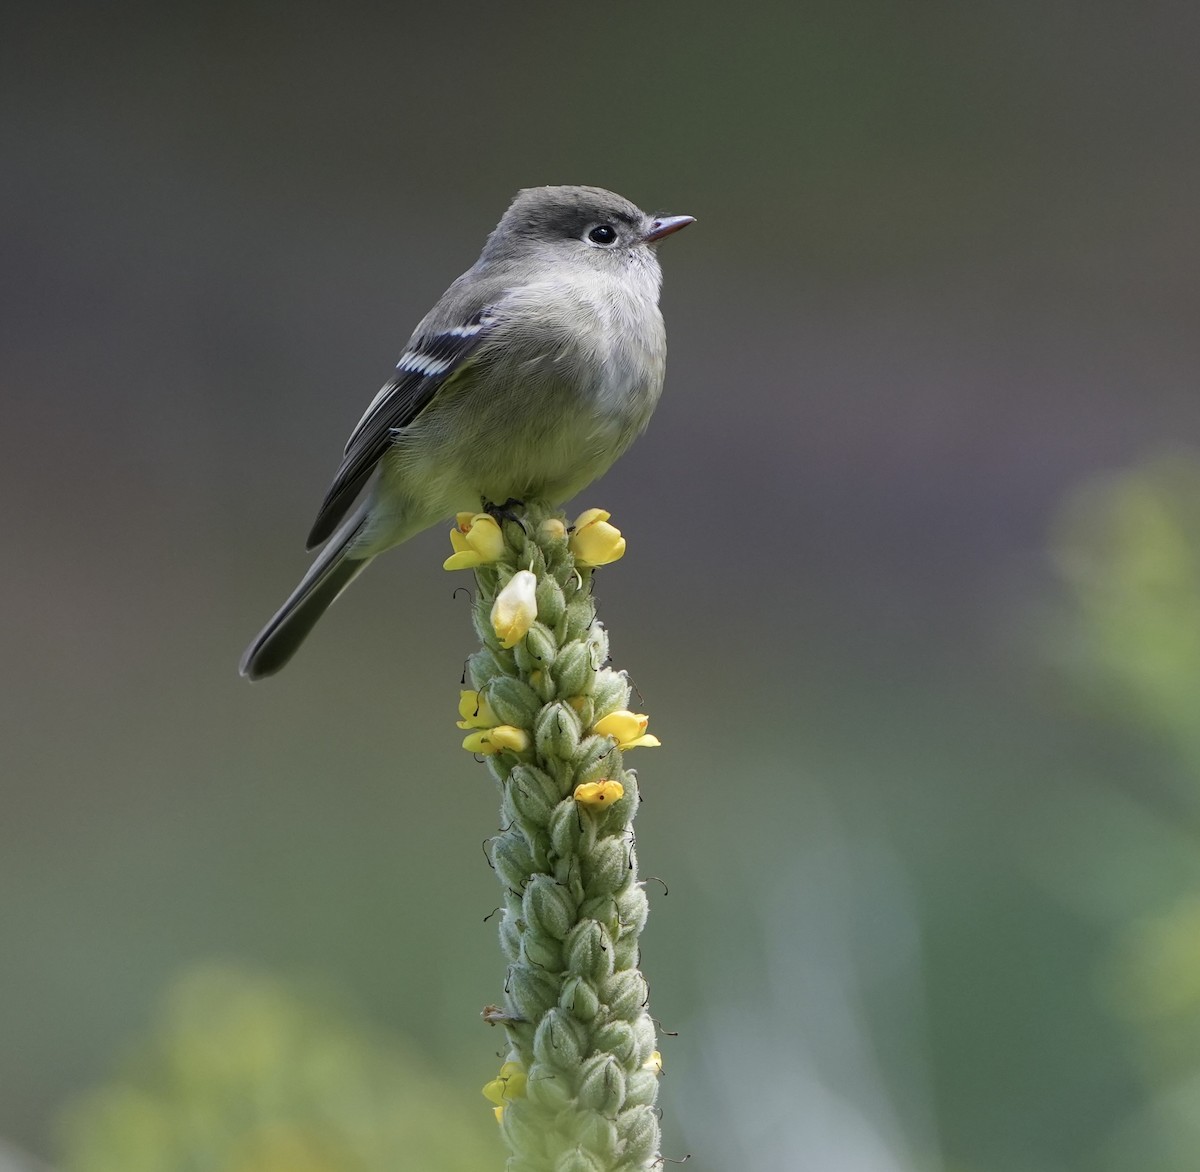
column 574, row 999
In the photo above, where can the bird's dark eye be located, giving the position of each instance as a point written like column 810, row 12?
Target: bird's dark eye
column 604, row 234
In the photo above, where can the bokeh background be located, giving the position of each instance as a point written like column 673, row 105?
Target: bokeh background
column 911, row 593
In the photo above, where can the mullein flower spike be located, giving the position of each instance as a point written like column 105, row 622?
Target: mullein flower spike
column 577, row 1091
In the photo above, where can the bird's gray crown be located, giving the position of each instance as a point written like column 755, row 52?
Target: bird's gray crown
column 554, row 213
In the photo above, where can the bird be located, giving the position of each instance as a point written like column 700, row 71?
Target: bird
column 534, row 371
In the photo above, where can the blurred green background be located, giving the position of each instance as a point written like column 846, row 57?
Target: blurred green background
column 911, row 593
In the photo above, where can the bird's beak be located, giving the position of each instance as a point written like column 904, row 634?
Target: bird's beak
column 664, row 225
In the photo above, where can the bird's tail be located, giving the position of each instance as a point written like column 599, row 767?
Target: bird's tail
column 327, row 577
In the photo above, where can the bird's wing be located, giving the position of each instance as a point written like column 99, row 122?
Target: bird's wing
column 433, row 357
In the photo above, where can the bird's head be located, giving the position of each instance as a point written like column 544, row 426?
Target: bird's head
column 589, row 223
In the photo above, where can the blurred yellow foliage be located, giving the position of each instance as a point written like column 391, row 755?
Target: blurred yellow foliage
column 1156, row 976
column 1129, row 549
column 244, row 1075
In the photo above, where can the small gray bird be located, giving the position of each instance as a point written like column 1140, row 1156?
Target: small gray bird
column 534, row 372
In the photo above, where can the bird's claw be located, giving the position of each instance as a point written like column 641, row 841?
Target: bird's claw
column 504, row 512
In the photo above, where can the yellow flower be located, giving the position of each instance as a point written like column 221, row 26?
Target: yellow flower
column 554, row 528
column 595, row 542
column 515, row 609
column 654, row 1062
column 598, row 793
column 477, row 540
column 628, row 729
column 504, row 738
column 475, row 711
column 509, row 1085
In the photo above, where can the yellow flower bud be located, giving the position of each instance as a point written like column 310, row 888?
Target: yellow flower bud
column 654, row 1063
column 595, row 542
column 515, row 609
column 504, row 738
column 598, row 793
column 475, row 711
column 477, row 540
column 553, row 528
column 628, row 729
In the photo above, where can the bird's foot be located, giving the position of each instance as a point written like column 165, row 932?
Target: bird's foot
column 504, row 512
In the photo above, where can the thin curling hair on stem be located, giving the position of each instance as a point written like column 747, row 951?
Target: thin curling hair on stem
column 537, row 368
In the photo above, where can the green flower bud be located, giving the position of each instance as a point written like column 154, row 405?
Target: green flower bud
column 567, row 828
column 624, row 808
column 531, row 992
column 559, row 1041
column 536, row 651
column 595, row 1134
column 625, row 952
column 632, row 909
column 602, row 1087
column 597, row 757
column 484, row 666
column 543, row 951
column 573, row 670
column 522, row 1130
column 481, row 619
column 526, row 801
column 641, row 1087
column 611, row 691
column 548, row 1087
column 530, row 777
column 616, row 1037
column 522, row 1163
column 589, row 952
column 551, row 603
column 513, row 860
column 578, row 618
column 586, row 709
column 520, row 1035
column 556, row 732
column 579, row 998
column 578, row 1160
column 513, row 701
column 548, row 907
column 566, row 872
column 606, row 867
column 639, row 1135
column 510, row 935
column 623, row 992
column 644, row 1041
column 602, row 909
